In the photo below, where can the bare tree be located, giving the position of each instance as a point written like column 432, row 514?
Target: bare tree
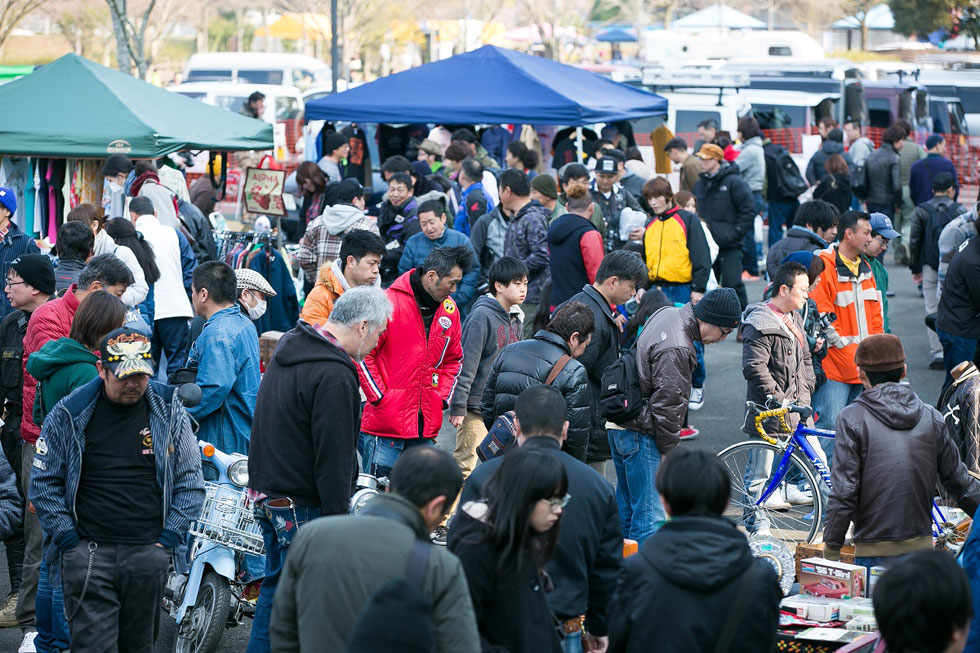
column 83, row 23
column 549, row 17
column 131, row 36
column 12, row 12
column 859, row 9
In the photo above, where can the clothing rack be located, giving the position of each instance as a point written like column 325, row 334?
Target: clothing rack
column 234, row 246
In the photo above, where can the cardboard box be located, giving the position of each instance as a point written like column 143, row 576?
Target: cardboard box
column 856, row 607
column 804, row 551
column 832, row 580
column 812, row 608
column 863, row 623
column 267, row 345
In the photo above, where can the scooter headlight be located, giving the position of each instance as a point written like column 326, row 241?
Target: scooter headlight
column 238, row 473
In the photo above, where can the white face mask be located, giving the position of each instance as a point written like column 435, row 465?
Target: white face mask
column 257, row 311
column 115, row 188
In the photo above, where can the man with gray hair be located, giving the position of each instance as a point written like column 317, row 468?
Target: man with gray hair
column 301, row 460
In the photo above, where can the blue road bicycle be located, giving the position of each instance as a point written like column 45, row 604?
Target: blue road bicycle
column 779, row 486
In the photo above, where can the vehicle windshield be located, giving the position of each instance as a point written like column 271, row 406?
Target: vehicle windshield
column 260, row 76
column 230, row 102
column 202, row 75
column 779, row 116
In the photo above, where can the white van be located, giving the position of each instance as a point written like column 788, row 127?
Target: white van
column 773, row 109
column 281, row 102
column 272, row 68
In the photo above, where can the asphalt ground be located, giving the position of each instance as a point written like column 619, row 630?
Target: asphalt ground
column 719, row 421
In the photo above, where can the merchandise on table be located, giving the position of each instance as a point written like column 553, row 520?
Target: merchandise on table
column 874, row 575
column 863, row 623
column 856, row 607
column 830, row 579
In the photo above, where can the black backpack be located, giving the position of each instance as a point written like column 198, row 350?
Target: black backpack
column 398, row 618
column 859, row 181
column 785, row 174
column 620, row 398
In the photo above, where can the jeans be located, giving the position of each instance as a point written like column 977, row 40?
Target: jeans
column 728, row 271
column 697, row 378
column 572, row 643
column 828, row 401
column 887, row 209
column 379, row 454
column 32, row 547
column 930, row 298
column 780, row 216
column 636, row 459
column 279, row 526
column 751, row 249
column 118, row 608
column 955, row 351
column 49, row 608
column 879, row 561
column 679, row 294
column 169, row 337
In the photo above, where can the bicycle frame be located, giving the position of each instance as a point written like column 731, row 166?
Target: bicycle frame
column 797, row 439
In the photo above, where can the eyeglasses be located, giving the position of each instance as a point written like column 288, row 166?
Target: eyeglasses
column 555, row 504
column 15, row 283
column 725, row 332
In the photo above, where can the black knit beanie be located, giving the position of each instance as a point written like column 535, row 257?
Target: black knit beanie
column 719, row 307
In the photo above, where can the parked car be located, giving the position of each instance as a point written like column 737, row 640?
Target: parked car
column 281, row 102
column 271, row 68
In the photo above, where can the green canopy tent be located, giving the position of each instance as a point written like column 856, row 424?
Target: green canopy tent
column 75, row 108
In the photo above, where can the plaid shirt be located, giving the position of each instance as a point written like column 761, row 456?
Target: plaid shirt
column 319, row 246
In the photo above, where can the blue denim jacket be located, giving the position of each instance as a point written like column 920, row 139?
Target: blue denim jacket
column 226, row 355
column 57, row 467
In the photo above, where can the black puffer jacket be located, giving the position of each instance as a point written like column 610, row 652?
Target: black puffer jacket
column 524, row 364
column 675, row 595
column 797, row 239
column 602, row 352
column 884, row 182
column 815, row 170
column 726, row 205
column 961, row 411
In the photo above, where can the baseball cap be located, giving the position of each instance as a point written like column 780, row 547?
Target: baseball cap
column 607, row 164
column 933, row 141
column 126, row 352
column 348, row 189
column 881, row 224
column 711, row 151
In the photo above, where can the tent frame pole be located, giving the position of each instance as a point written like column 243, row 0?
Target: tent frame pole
column 578, row 143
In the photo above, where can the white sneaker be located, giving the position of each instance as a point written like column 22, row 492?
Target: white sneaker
column 798, row 497
column 776, row 502
column 27, row 646
column 697, row 399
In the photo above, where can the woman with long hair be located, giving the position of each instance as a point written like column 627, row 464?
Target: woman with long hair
column 313, row 182
column 835, row 188
column 504, row 543
column 93, row 217
column 123, row 232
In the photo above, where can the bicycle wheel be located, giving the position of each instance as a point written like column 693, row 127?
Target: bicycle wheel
column 792, row 512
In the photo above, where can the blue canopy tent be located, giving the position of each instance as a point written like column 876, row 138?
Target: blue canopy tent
column 490, row 85
column 616, row 35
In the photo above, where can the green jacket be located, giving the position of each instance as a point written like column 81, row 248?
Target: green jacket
column 59, row 367
column 337, row 563
column 880, row 273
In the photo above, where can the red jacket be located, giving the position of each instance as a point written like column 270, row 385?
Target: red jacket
column 49, row 322
column 407, row 372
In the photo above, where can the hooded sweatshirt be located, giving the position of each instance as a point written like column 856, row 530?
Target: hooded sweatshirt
column 889, row 452
column 815, row 170
column 687, row 577
column 576, row 252
column 59, row 367
column 486, row 331
column 305, row 425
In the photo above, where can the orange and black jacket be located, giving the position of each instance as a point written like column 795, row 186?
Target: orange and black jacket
column 676, row 250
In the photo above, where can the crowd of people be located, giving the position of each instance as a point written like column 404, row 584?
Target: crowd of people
column 499, row 299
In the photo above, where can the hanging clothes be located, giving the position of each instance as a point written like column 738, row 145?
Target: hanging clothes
column 282, row 311
column 359, row 158
column 15, row 174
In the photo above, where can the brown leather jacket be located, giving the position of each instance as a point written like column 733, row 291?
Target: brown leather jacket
column 665, row 360
column 774, row 362
column 889, row 452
